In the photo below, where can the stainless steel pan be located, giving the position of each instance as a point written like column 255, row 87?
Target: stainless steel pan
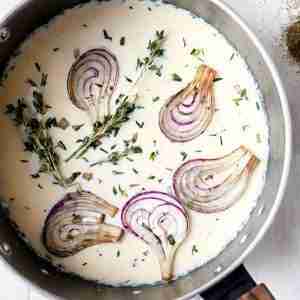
column 32, row 13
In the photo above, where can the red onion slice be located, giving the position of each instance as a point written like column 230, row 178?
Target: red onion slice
column 187, row 114
column 92, row 80
column 214, row 185
column 76, row 223
column 161, row 222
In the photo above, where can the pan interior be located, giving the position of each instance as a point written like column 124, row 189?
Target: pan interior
column 219, row 18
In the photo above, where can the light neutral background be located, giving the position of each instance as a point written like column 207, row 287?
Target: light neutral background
column 276, row 260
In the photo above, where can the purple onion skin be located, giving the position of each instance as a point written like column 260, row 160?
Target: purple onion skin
column 248, row 170
column 201, row 91
column 104, row 58
column 146, row 195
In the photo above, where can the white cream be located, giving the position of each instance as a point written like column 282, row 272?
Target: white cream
column 244, row 124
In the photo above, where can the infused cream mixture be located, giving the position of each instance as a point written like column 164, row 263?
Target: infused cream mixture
column 125, row 28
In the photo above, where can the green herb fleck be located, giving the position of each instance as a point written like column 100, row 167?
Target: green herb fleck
column 106, row 35
column 135, row 171
column 115, row 191
column 153, row 155
column 171, row 239
column 77, row 127
column 118, row 253
column 88, row 176
column 122, row 191
column 38, row 67
column 60, row 144
column 184, row 155
column 133, row 185
column 257, row 106
column 194, row 250
column 244, row 94
column 176, row 77
column 140, row 124
column 122, row 41
column 232, row 56
column 218, row 79
column 128, row 79
column 198, row 53
column 237, row 101
column 155, row 99
column 103, row 150
column 115, row 172
column 151, row 177
column 73, row 177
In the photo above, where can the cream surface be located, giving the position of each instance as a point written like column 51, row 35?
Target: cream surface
column 233, row 125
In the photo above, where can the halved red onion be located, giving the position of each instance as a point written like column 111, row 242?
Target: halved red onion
column 77, row 222
column 161, row 222
column 187, row 114
column 92, row 81
column 214, row 185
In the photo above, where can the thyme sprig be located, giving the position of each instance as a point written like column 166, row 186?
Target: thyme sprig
column 127, row 103
column 116, row 156
column 36, row 124
column 110, row 126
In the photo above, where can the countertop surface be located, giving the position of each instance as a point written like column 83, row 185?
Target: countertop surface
column 276, row 260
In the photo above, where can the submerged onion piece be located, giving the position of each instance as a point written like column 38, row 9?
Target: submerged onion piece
column 161, row 222
column 214, row 185
column 77, row 222
column 92, row 80
column 187, row 114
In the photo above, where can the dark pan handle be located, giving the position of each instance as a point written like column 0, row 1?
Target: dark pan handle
column 239, row 285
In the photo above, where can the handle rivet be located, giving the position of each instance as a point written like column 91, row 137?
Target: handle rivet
column 4, row 34
column 5, row 249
